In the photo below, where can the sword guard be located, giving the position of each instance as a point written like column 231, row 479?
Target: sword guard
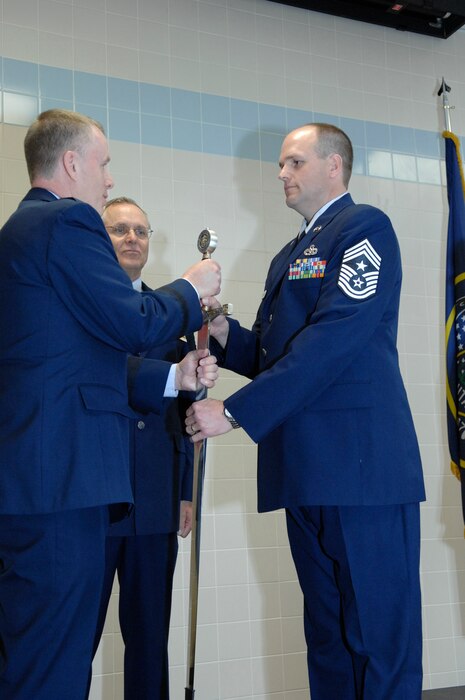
column 210, row 314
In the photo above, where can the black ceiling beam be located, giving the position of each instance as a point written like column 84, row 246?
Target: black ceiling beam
column 436, row 18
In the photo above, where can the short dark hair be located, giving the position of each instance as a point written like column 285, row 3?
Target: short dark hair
column 51, row 134
column 331, row 139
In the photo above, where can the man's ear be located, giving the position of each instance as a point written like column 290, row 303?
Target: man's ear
column 335, row 165
column 69, row 164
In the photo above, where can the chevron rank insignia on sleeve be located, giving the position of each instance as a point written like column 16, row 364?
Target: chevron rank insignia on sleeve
column 358, row 276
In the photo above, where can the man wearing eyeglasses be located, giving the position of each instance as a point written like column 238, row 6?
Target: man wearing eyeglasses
column 142, row 549
column 129, row 229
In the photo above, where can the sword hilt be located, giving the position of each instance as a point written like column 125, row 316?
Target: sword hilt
column 210, row 314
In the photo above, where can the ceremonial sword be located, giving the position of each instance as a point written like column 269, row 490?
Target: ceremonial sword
column 206, row 244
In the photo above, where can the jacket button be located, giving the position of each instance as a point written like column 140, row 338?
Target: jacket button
column 140, row 424
column 270, row 318
column 264, row 352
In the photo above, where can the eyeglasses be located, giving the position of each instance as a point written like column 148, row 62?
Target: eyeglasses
column 121, row 230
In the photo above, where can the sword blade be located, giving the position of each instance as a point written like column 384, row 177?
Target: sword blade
column 203, row 337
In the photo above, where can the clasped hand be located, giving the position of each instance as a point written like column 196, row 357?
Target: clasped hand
column 195, row 370
column 206, row 419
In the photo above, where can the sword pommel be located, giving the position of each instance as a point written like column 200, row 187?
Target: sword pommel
column 206, row 242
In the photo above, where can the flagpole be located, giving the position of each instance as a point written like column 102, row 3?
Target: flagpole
column 455, row 298
column 443, row 90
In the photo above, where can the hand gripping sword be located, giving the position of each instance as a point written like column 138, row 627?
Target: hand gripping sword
column 206, row 244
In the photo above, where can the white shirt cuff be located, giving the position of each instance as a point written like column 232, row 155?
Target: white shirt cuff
column 170, row 386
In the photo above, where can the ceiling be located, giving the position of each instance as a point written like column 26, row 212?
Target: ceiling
column 437, row 18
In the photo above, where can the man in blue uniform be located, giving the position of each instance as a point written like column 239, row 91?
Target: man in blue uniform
column 338, row 449
column 68, row 317
column 142, row 548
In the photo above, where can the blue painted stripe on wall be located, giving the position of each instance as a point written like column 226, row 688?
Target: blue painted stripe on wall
column 124, row 125
column 156, row 130
column 244, row 114
column 187, row 135
column 56, row 83
column 272, row 118
column 123, row 94
column 216, row 139
column 378, row 136
column 93, row 111
column 20, row 76
column 52, row 103
column 156, row 115
column 155, row 99
column 90, row 89
column 216, row 110
column 297, row 117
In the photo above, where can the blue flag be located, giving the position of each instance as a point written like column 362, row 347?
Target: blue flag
column 455, row 310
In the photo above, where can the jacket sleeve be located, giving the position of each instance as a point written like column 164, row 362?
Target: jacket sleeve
column 86, row 276
column 241, row 353
column 329, row 341
column 146, row 383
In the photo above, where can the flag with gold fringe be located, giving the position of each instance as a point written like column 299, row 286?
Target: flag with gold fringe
column 455, row 310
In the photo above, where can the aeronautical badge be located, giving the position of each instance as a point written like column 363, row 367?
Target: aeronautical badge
column 358, row 276
column 313, row 250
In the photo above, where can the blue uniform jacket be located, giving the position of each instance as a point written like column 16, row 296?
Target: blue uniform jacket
column 327, row 404
column 69, row 317
column 160, row 453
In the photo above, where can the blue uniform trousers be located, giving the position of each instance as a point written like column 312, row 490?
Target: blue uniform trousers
column 145, row 565
column 51, row 572
column 358, row 567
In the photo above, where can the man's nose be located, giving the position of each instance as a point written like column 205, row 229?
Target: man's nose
column 131, row 235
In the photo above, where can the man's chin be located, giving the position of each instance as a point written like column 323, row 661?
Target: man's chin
column 291, row 201
column 131, row 256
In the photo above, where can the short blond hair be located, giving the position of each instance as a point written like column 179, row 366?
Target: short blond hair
column 53, row 133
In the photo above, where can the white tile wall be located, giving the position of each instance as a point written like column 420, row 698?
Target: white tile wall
column 250, row 639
